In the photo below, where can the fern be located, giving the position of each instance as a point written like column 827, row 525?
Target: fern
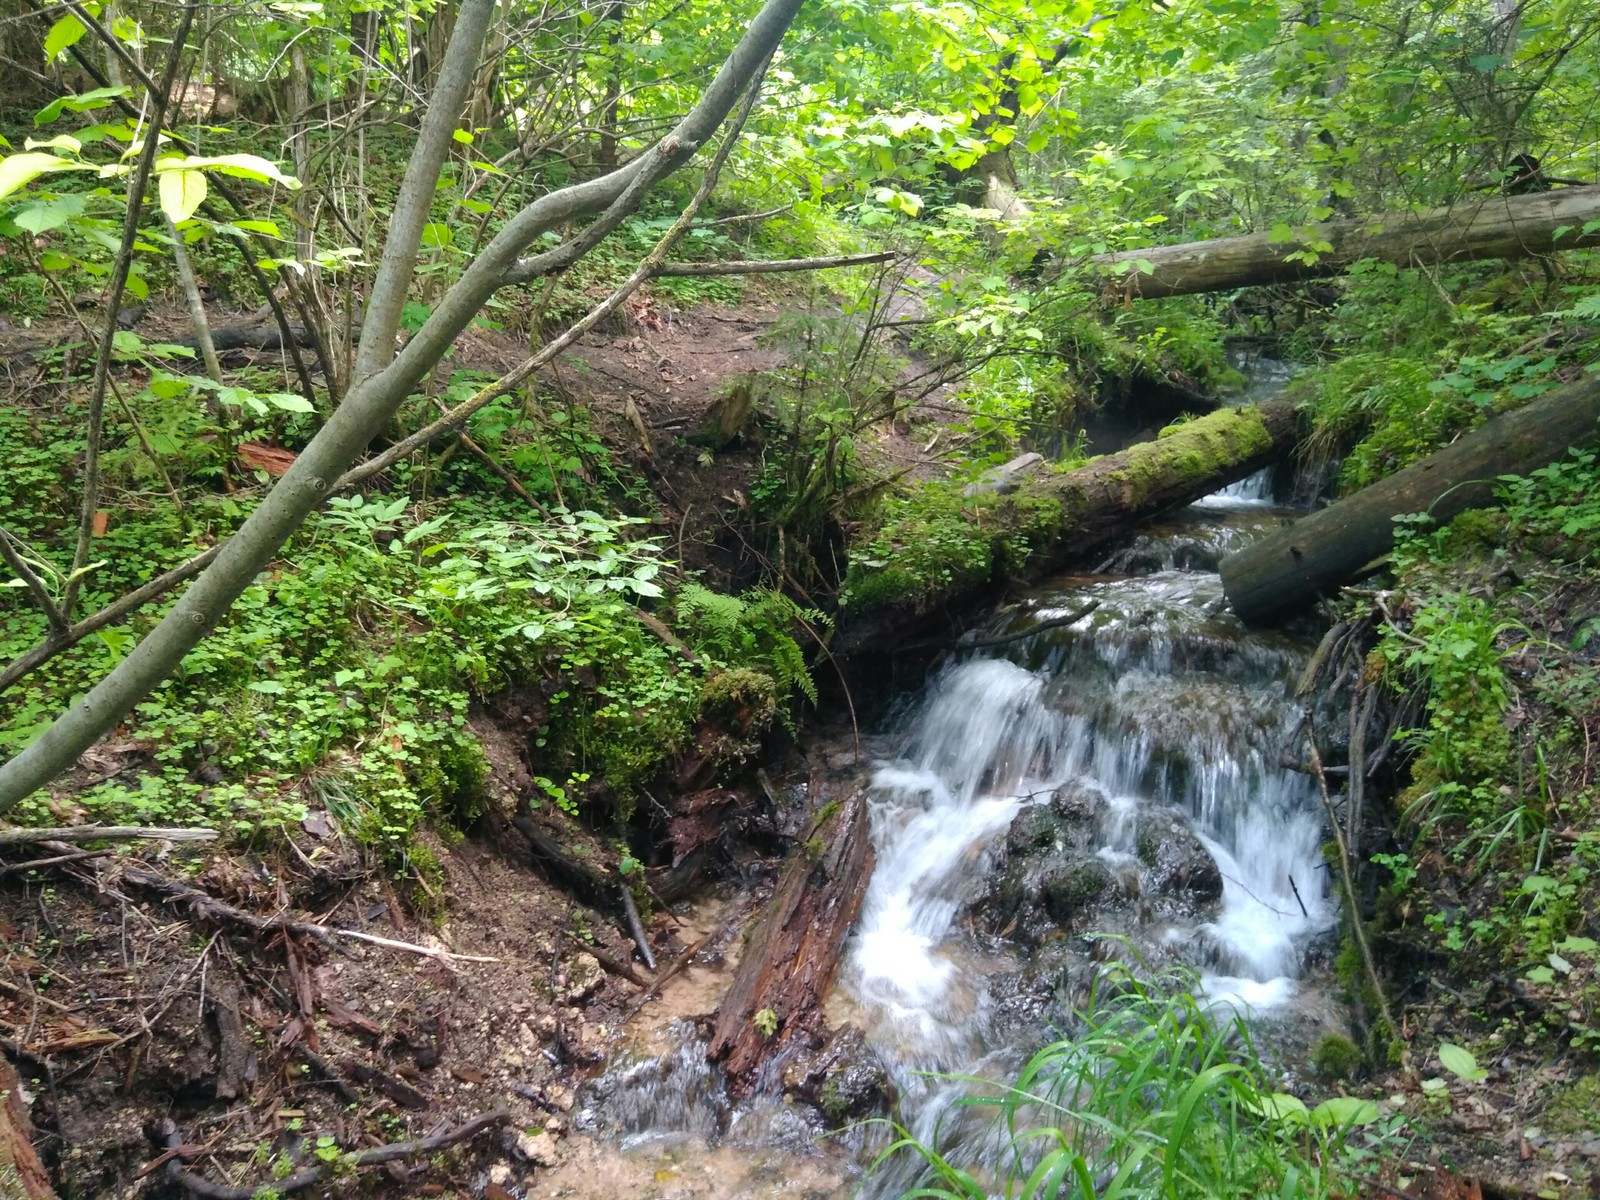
column 752, row 630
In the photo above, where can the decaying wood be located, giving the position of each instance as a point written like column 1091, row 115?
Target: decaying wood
column 308, row 1176
column 1284, row 571
column 102, row 833
column 22, row 1175
column 792, row 957
column 1475, row 228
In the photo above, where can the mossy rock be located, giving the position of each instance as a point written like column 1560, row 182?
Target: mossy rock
column 1336, row 1057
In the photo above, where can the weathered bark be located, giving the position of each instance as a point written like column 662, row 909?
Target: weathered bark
column 1062, row 517
column 1488, row 226
column 789, row 963
column 21, row 1174
column 1316, row 555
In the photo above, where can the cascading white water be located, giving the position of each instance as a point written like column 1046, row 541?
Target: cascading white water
column 1156, row 699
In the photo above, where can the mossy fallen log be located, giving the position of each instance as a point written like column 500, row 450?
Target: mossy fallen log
column 1318, row 554
column 946, row 549
column 1485, row 226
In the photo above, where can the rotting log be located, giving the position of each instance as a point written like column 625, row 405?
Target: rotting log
column 791, row 959
column 1318, row 554
column 1487, row 226
column 21, row 1173
column 1059, row 516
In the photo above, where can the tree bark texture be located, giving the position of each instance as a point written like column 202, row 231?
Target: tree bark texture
column 789, row 963
column 1488, row 226
column 22, row 1175
column 1282, row 573
column 1062, row 517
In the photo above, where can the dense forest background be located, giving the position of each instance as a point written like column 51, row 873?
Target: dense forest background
column 387, row 376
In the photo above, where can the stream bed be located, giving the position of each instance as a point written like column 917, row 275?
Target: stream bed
column 1104, row 787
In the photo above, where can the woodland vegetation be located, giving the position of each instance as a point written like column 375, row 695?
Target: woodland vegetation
column 315, row 478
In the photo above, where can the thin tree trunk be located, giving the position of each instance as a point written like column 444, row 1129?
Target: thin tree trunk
column 1491, row 226
column 374, row 398
column 1287, row 570
column 22, row 1176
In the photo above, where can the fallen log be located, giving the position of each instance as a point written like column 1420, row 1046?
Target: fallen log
column 1493, row 226
column 1058, row 517
column 1318, row 554
column 790, row 961
column 22, row 1175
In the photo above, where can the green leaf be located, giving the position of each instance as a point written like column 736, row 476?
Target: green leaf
column 1577, row 945
column 51, row 214
column 462, row 136
column 289, row 402
column 64, row 33
column 1344, row 1110
column 82, row 102
column 182, row 192
column 244, row 166
column 269, row 687
column 269, row 228
column 1280, row 1106
column 61, row 141
column 20, row 169
column 437, row 235
column 1460, row 1063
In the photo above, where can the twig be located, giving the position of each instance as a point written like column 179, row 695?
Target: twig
column 1354, row 913
column 636, row 928
column 307, row 1176
column 773, row 266
column 674, row 969
column 208, row 907
column 102, row 833
column 35, row 864
column 1293, row 887
column 610, row 962
column 12, row 555
column 109, row 615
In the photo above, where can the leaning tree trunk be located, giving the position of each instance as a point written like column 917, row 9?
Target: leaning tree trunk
column 1057, row 517
column 790, row 962
column 1493, row 226
column 1315, row 556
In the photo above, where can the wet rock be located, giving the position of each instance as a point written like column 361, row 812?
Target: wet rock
column 1175, row 862
column 538, row 1149
column 1077, row 801
column 1072, row 890
column 844, row 1080
column 584, row 977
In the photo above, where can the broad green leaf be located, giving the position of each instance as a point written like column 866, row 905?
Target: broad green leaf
column 270, row 687
column 1577, row 945
column 1459, row 1062
column 1280, row 1106
column 182, row 192
column 1344, row 1110
column 20, row 169
column 51, row 214
column 462, row 136
column 64, row 33
column 61, row 141
column 289, row 402
column 79, row 103
column 244, row 166
column 269, row 228
column 437, row 235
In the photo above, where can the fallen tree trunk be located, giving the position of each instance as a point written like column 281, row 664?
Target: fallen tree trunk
column 22, row 1176
column 790, row 962
column 1320, row 553
column 918, row 574
column 1492, row 226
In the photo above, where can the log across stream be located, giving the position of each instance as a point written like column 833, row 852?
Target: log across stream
column 1106, row 787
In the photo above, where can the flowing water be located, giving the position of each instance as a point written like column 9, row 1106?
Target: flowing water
column 1156, row 705
column 1129, row 717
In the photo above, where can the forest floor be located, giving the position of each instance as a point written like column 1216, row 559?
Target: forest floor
column 124, row 1008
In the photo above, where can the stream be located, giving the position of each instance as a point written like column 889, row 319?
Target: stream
column 1104, row 787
